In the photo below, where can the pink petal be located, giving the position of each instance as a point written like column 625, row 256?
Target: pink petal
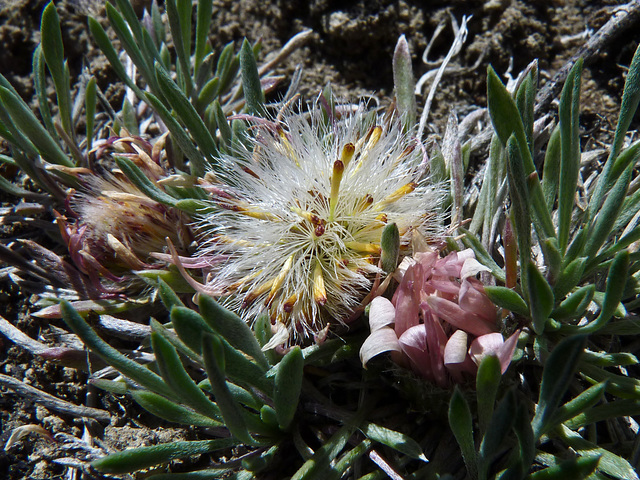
column 473, row 300
column 494, row 344
column 449, row 265
column 414, row 344
column 436, row 341
column 456, row 349
column 456, row 316
column 471, row 267
column 407, row 300
column 380, row 341
column 381, row 314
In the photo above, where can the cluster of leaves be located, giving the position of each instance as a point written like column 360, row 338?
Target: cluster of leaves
column 209, row 369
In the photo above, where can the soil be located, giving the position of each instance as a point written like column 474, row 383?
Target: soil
column 351, row 49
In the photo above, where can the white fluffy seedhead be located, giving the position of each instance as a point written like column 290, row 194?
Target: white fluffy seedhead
column 298, row 216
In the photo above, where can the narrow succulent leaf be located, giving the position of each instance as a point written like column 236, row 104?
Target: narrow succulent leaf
column 225, row 69
column 569, row 277
column 630, row 101
column 575, row 304
column 569, row 112
column 288, row 384
column 499, row 427
column 187, row 113
column 140, row 180
column 170, row 411
column 53, row 51
column 174, row 373
column 551, row 172
column 232, row 328
column 103, row 41
column 541, row 298
column 168, row 296
column 558, row 372
column 130, row 16
column 622, row 386
column 396, row 440
column 319, row 467
column 507, row 122
column 602, row 359
column 471, row 241
column 208, row 92
column 606, row 218
column 26, row 121
column 629, row 156
column 128, row 117
column 579, row 404
column 616, row 280
column 487, row 383
column 253, row 94
column 189, row 326
column 526, row 440
column 404, row 84
column 577, row 468
column 178, row 134
column 213, row 356
column 90, row 97
column 40, row 86
column 520, row 212
column 226, row 134
column 508, row 299
column 140, row 458
column 609, row 464
column 181, row 42
column 525, row 99
column 390, row 244
column 243, row 371
column 119, row 387
column 604, row 412
column 120, row 26
column 461, row 423
column 110, row 355
column 203, row 21
column 14, row 189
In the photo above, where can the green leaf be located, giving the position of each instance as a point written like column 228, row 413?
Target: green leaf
column 558, row 372
column 54, row 56
column 525, row 99
column 569, row 113
column 213, row 356
column 551, row 174
column 575, row 468
column 569, row 277
column 404, row 84
column 608, row 214
column 180, row 26
column 140, row 458
column 187, row 113
column 541, row 298
column 506, row 121
column 140, row 180
column 499, row 427
column 396, row 440
column 232, row 328
column 288, row 384
column 575, row 304
column 40, row 86
column 579, row 404
column 487, row 383
column 189, row 326
column 28, row 124
column 461, row 423
column 174, row 373
column 102, row 39
column 606, row 411
column 390, row 243
column 90, row 96
column 610, row 463
column 203, row 21
column 630, row 100
column 471, row 241
column 110, row 355
column 170, row 411
column 616, row 280
column 168, row 296
column 508, row 299
column 253, row 94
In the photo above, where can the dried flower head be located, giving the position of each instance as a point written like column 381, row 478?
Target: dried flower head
column 298, row 215
column 117, row 228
